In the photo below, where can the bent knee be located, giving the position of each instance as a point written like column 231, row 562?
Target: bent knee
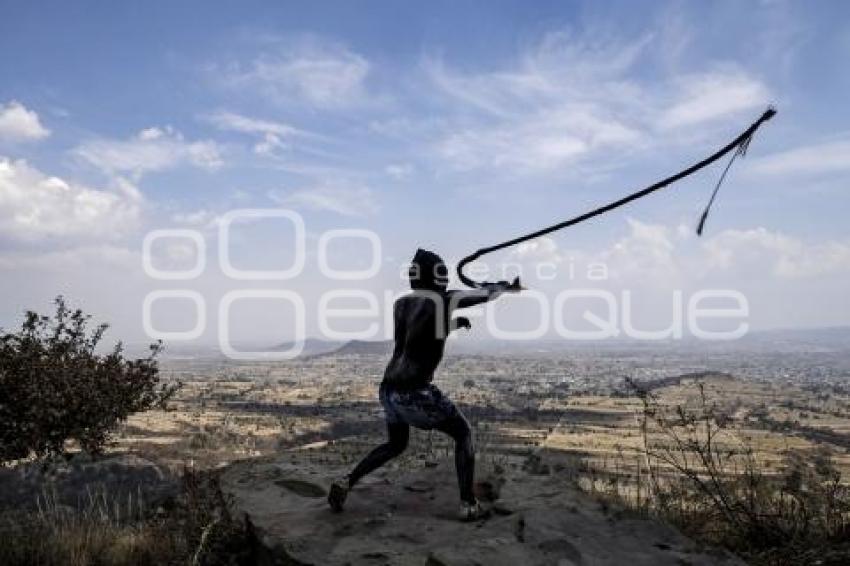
column 397, row 447
column 461, row 431
column 468, row 443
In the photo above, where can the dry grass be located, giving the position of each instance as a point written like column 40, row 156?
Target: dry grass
column 194, row 528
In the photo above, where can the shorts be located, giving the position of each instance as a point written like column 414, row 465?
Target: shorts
column 424, row 407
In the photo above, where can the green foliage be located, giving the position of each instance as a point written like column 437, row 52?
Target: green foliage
column 55, row 386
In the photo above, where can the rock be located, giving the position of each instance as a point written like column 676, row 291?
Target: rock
column 408, row 517
column 488, row 491
column 419, row 486
column 302, row 488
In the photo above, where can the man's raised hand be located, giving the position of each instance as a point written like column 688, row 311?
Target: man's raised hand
column 504, row 287
column 514, row 286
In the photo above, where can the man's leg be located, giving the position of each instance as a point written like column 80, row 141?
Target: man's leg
column 398, row 433
column 428, row 408
column 458, row 428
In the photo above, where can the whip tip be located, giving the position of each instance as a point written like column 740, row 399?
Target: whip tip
column 702, row 220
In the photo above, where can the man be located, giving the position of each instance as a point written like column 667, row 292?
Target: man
column 423, row 320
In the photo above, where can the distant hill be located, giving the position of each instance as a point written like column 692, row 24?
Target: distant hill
column 831, row 338
column 316, row 347
column 364, row 348
column 815, row 339
column 312, row 347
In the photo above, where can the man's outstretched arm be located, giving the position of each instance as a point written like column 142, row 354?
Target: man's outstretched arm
column 488, row 292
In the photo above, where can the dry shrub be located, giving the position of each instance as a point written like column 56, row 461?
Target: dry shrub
column 700, row 474
column 196, row 527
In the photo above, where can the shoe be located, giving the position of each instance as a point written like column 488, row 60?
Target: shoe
column 471, row 511
column 338, row 493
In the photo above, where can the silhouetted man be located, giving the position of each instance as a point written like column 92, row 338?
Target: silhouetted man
column 423, row 320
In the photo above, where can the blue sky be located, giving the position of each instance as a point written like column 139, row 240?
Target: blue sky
column 448, row 125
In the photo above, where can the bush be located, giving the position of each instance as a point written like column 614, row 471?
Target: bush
column 705, row 477
column 56, row 387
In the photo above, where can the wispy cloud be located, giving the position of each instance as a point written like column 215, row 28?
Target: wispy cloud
column 399, row 171
column 560, row 64
column 537, row 143
column 708, row 96
column 152, row 149
column 569, row 99
column 274, row 136
column 193, row 217
column 18, row 123
column 312, row 70
column 340, row 198
column 231, row 121
column 826, row 157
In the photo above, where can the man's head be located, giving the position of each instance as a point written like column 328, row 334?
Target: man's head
column 428, row 272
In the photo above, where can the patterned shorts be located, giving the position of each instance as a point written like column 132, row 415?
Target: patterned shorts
column 425, row 407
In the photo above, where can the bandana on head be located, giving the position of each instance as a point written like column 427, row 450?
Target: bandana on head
column 422, row 269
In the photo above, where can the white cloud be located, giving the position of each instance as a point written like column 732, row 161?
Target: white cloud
column 194, row 218
column 321, row 73
column 35, row 206
column 18, row 123
column 272, row 134
column 669, row 255
column 784, row 279
column 399, row 171
column 152, row 149
column 558, row 105
column 572, row 100
column 648, row 252
column 709, row 96
column 558, row 71
column 766, row 252
column 536, row 143
column 344, row 199
column 827, row 157
column 239, row 123
column 543, row 249
column 269, row 145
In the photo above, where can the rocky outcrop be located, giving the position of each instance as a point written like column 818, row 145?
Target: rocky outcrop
column 406, row 515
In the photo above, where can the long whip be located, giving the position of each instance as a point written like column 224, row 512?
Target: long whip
column 739, row 144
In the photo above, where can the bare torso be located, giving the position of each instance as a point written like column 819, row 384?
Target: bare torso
column 421, row 327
